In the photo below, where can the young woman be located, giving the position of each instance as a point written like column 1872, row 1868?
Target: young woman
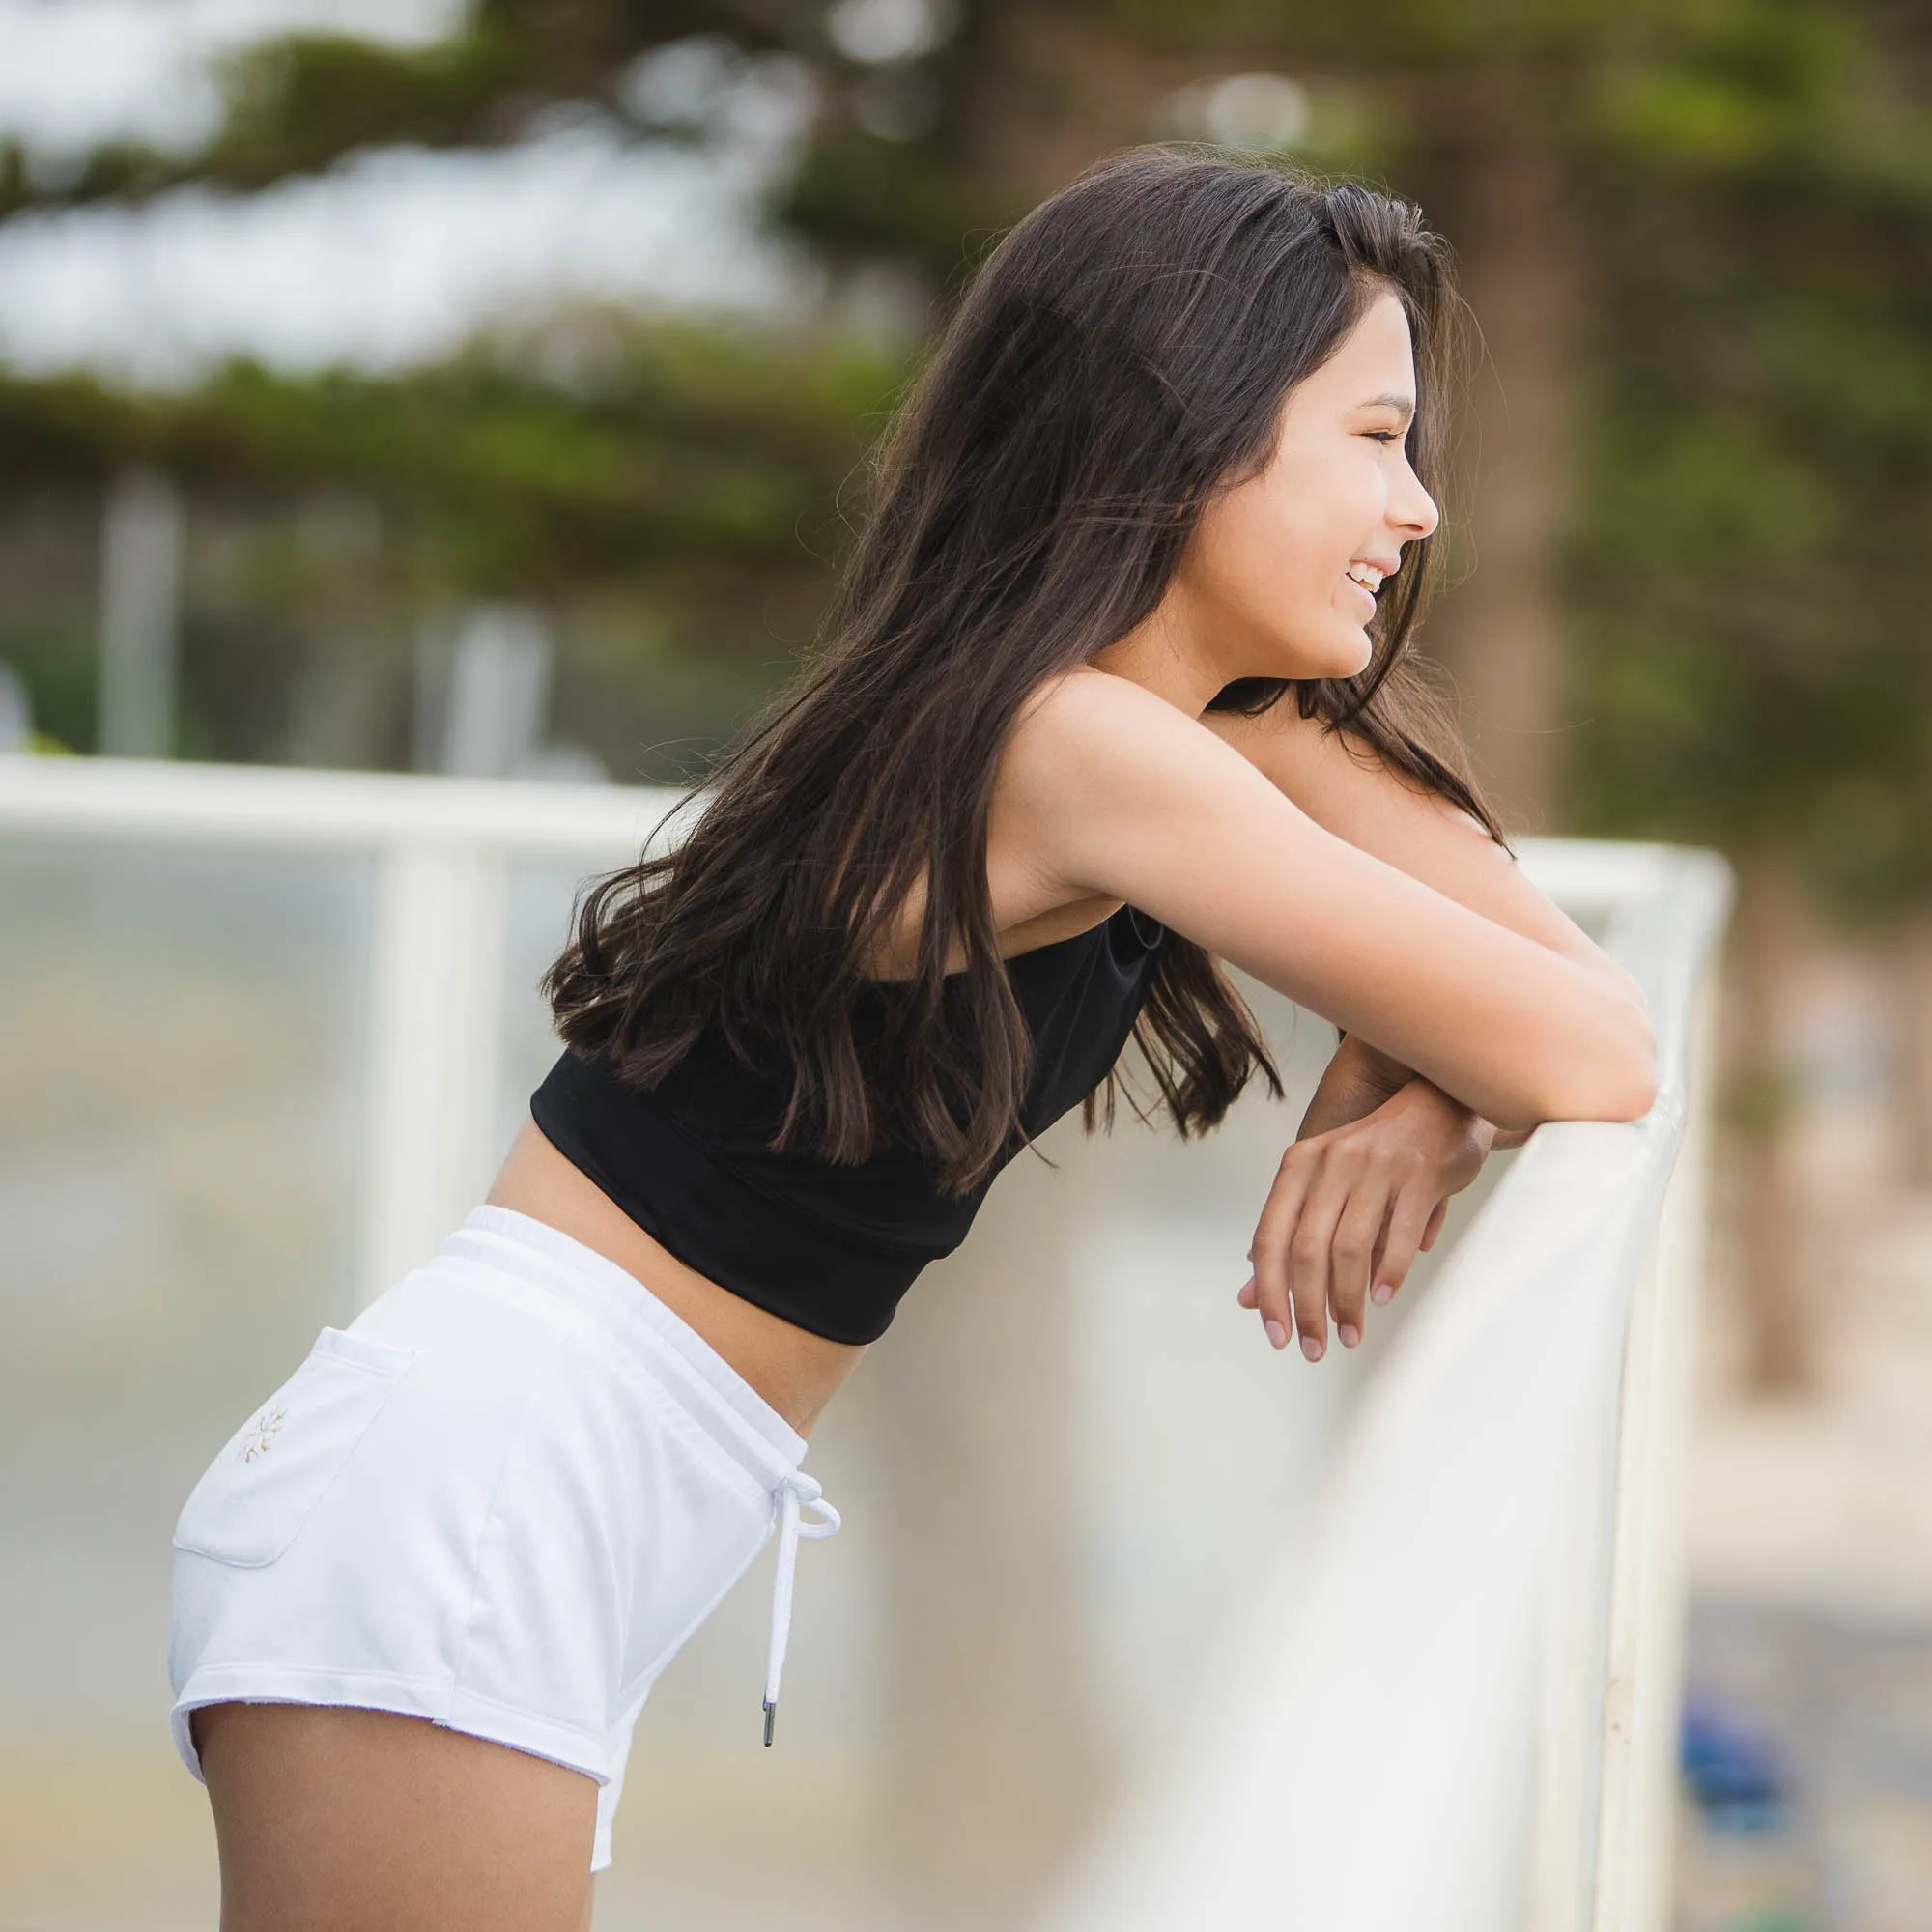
column 1113, row 692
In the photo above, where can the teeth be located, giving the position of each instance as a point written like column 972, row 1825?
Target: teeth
column 1367, row 576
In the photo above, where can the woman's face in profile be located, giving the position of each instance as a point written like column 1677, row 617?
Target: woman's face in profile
column 1279, row 573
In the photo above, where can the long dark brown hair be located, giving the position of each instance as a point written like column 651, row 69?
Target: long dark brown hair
column 1123, row 355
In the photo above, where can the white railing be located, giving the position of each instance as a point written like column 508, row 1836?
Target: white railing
column 1454, row 1708
column 442, row 850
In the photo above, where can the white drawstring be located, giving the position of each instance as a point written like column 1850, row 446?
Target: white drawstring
column 797, row 1491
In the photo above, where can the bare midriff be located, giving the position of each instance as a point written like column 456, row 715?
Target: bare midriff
column 795, row 1371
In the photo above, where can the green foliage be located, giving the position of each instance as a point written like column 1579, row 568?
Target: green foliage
column 298, row 104
column 674, row 507
column 53, row 654
column 1751, row 570
column 1396, row 39
column 858, row 196
column 1755, row 83
column 1766, row 86
column 692, row 442
column 295, row 105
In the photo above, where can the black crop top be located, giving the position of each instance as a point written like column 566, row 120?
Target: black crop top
column 827, row 1247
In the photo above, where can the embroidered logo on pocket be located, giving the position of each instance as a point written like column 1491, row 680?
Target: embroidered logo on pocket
column 261, row 1432
column 255, row 1497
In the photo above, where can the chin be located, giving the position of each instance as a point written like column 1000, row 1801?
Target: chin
column 1343, row 653
column 1346, row 659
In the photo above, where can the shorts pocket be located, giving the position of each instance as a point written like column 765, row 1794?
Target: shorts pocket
column 255, row 1497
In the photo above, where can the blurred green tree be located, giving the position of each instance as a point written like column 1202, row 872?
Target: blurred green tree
column 1750, row 569
column 1548, row 140
column 675, row 503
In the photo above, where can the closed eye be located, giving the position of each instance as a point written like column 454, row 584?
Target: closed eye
column 1384, row 435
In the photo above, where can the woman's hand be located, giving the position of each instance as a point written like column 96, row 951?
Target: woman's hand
column 1362, row 1189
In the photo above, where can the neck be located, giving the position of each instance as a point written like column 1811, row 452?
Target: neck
column 1166, row 654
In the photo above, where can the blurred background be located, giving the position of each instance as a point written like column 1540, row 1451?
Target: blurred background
column 484, row 390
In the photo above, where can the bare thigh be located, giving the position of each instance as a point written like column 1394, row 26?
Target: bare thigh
column 332, row 1820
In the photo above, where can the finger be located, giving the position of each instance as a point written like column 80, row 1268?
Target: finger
column 1245, row 1294
column 1272, row 1236
column 1408, row 1217
column 1308, row 1259
column 1435, row 1226
column 1349, row 1255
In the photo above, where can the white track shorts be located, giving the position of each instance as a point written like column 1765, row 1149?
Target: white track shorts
column 500, row 1499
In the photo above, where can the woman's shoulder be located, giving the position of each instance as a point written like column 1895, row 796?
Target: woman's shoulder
column 1086, row 699
column 1090, row 730
column 1110, row 792
column 1091, row 749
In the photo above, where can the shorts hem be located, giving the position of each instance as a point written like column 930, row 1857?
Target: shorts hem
column 455, row 1710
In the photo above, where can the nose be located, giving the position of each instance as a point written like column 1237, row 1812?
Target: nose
column 1412, row 509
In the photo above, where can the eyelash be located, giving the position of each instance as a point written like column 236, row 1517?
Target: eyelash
column 1383, row 435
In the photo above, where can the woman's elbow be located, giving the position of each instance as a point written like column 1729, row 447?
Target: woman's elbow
column 1610, row 1075
column 1638, row 1095
column 1622, row 1070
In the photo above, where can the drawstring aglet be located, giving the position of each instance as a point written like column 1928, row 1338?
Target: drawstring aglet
column 796, row 1489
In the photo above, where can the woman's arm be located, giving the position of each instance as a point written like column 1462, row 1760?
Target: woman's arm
column 1111, row 790
column 1364, row 1077
column 1341, row 783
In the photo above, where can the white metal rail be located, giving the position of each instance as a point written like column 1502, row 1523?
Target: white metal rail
column 442, row 850
column 1454, row 1709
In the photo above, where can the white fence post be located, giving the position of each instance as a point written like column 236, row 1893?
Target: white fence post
column 443, row 848
column 140, row 592
column 434, row 1013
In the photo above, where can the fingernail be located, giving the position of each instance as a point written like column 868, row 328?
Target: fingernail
column 1350, row 1334
column 1380, row 1293
column 1311, row 1348
column 1276, row 1334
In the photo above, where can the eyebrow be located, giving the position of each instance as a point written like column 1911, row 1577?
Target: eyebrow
column 1403, row 405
